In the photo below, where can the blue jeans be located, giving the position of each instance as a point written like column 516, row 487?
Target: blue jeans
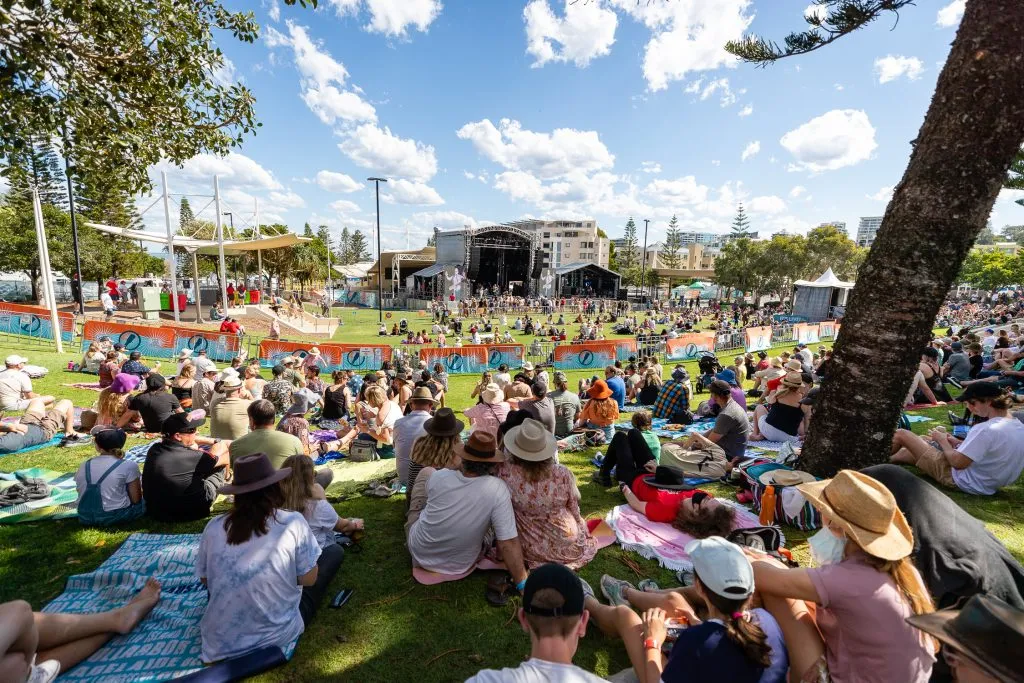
column 609, row 431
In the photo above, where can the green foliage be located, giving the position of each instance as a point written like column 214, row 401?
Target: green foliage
column 1012, row 233
column 829, row 247
column 986, row 236
column 1015, row 178
column 358, row 248
column 740, row 224
column 835, row 19
column 669, row 255
column 628, row 256
column 991, row 269
column 36, row 165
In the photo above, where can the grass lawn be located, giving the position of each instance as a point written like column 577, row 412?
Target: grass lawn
column 393, row 629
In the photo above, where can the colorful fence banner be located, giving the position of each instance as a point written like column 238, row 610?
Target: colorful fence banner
column 758, row 338
column 589, row 356
column 690, row 346
column 360, row 298
column 34, row 321
column 784, row 319
column 457, row 361
column 806, row 333
column 511, row 355
column 624, row 348
column 358, row 357
column 828, row 329
column 162, row 342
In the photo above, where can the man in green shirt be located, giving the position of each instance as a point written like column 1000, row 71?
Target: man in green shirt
column 264, row 438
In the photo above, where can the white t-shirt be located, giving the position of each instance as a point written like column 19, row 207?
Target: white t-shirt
column 114, row 490
column 502, row 379
column 996, row 448
column 322, row 518
column 14, row 385
column 106, row 301
column 254, row 590
column 989, row 342
column 536, row 671
column 448, row 536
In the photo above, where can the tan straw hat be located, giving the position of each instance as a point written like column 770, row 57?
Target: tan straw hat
column 865, row 510
column 530, row 441
column 422, row 394
column 794, row 365
column 782, row 477
column 793, row 380
column 492, row 394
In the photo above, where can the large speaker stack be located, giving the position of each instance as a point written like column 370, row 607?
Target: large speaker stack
column 538, row 264
column 474, row 263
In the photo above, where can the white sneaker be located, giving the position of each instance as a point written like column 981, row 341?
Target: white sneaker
column 45, row 672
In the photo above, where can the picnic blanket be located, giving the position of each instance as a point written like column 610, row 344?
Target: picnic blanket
column 166, row 644
column 659, row 423
column 93, row 386
column 60, row 504
column 663, row 542
column 138, row 453
column 634, row 408
column 55, row 441
column 919, row 418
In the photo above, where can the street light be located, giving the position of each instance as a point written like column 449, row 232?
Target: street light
column 643, row 268
column 380, row 267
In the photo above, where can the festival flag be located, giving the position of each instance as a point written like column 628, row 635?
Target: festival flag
column 690, row 346
column 34, row 321
column 806, row 333
column 457, row 361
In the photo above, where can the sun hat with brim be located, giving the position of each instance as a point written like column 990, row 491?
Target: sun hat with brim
column 492, row 394
column 15, row 359
column 810, row 398
column 443, row 423
column 727, row 375
column 314, row 352
column 981, row 390
column 865, row 510
column 480, row 447
column 599, row 390
column 252, row 473
column 786, row 477
column 184, row 353
column 125, row 383
column 527, row 366
column 422, row 394
column 793, row 380
column 793, row 365
column 182, row 423
column 668, row 479
column 232, row 382
column 986, row 630
column 531, row 441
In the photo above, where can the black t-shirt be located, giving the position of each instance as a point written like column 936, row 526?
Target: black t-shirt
column 976, row 365
column 334, row 404
column 155, row 407
column 172, row 482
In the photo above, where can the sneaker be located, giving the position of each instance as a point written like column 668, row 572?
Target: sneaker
column 604, row 481
column 684, row 577
column 613, row 589
column 45, row 672
column 587, row 588
column 955, row 382
column 648, row 586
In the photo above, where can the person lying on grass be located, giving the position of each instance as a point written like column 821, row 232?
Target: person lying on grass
column 36, row 646
column 991, row 457
column 553, row 614
column 39, row 425
column 731, row 643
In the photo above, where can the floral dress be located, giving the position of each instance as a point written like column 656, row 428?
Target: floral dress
column 548, row 517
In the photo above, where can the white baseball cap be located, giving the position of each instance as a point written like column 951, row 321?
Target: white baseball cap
column 15, row 359
column 722, row 567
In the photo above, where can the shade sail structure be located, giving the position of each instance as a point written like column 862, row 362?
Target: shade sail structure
column 431, row 271
column 289, row 239
column 826, row 279
column 356, row 271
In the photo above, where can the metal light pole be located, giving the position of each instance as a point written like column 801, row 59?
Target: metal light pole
column 68, row 169
column 380, row 263
column 643, row 268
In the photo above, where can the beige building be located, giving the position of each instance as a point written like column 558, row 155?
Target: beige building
column 1008, row 248
column 691, row 257
column 565, row 242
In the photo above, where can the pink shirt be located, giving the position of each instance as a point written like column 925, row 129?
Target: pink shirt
column 861, row 617
column 487, row 417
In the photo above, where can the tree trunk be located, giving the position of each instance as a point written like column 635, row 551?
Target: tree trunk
column 973, row 130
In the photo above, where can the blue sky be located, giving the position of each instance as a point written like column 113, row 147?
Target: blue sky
column 495, row 111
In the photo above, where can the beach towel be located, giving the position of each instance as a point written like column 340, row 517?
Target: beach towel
column 138, row 453
column 658, row 427
column 55, row 441
column 166, row 644
column 919, row 418
column 325, row 458
column 60, row 504
column 663, row 542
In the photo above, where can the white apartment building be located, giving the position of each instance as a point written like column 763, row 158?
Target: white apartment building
column 867, row 229
column 565, row 242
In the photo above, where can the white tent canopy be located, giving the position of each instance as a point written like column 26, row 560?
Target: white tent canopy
column 826, row 279
column 205, row 246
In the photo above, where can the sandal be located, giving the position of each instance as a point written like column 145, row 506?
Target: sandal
column 499, row 589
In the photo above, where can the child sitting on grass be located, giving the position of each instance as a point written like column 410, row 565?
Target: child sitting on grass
column 301, row 494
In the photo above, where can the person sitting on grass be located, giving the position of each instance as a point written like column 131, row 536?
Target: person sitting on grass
column 135, row 366
column 734, row 642
column 864, row 587
column 39, row 425
column 673, row 396
column 991, row 457
column 92, row 359
column 109, row 369
column 301, row 494
column 109, row 487
column 181, row 386
column 450, row 523
column 540, row 407
column 16, row 386
column 601, row 412
column 153, row 406
column 277, row 444
column 435, row 449
column 731, row 425
column 545, row 499
column 490, row 412
column 630, row 451
column 262, row 567
column 36, row 646
column 784, row 417
column 518, row 389
column 649, row 389
column 112, row 403
column 179, row 480
column 553, row 614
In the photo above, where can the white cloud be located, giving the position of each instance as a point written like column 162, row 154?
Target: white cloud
column 650, row 167
column 235, row 169
column 751, row 150
column 344, row 7
column 891, row 67
column 549, row 155
column 344, row 206
column 469, row 176
column 839, row 87
column 225, row 74
column 332, row 105
column 685, row 190
column 797, row 191
column 766, row 205
column 716, row 162
column 817, row 11
column 585, row 32
column 274, row 11
column 393, row 18
column 951, row 13
column 337, row 182
column 720, row 85
column 287, row 199
column 747, row 110
column 389, row 155
column 446, row 220
column 406, row 192
column 687, row 35
column 838, row 138
column 884, row 194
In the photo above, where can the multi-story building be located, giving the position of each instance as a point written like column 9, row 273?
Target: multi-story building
column 838, row 225
column 1008, row 248
column 690, row 256
column 867, row 229
column 565, row 242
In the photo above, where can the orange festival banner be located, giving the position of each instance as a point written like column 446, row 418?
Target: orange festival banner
column 586, row 356
column 758, row 338
column 690, row 346
column 34, row 321
column 360, row 357
column 164, row 341
column 457, row 361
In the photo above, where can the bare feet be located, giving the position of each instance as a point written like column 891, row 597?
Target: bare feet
column 755, row 437
column 142, row 604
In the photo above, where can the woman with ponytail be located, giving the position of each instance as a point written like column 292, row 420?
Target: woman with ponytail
column 109, row 488
column 864, row 588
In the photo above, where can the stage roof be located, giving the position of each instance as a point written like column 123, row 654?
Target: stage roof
column 431, row 271
column 827, row 279
column 289, row 239
column 579, row 265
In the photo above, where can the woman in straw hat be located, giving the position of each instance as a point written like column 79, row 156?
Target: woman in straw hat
column 545, row 499
column 490, row 412
column 262, row 567
column 783, row 419
column 435, row 450
column 864, row 588
column 601, row 411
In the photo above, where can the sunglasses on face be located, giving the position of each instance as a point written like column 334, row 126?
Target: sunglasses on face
column 698, row 498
